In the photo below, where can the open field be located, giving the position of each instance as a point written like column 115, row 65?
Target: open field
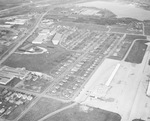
column 137, row 52
column 45, row 62
column 123, row 46
column 147, row 30
column 43, row 107
column 23, row 10
column 5, row 4
column 84, row 113
column 16, row 112
column 125, row 30
column 12, row 1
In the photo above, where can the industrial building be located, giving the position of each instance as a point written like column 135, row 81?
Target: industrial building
column 17, row 21
column 8, row 73
column 5, row 26
column 40, row 39
column 56, row 39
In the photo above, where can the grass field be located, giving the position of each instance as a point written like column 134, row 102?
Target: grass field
column 137, row 52
column 23, row 10
column 5, row 4
column 43, row 107
column 123, row 47
column 147, row 30
column 124, row 30
column 41, row 63
column 84, row 113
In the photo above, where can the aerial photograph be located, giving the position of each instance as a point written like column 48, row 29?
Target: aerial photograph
column 74, row 60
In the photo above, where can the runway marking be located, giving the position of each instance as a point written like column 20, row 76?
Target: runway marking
column 112, row 75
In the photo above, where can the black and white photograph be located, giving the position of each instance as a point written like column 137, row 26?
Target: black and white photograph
column 74, row 60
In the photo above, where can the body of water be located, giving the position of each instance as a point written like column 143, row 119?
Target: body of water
column 120, row 9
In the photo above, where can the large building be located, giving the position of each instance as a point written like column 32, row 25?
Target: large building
column 56, row 39
column 8, row 73
column 40, row 39
column 5, row 26
column 17, row 21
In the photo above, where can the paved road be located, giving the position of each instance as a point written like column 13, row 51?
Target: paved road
column 57, row 111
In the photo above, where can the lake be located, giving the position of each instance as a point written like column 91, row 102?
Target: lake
column 120, row 9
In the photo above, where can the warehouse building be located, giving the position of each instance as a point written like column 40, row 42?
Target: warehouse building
column 56, row 39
